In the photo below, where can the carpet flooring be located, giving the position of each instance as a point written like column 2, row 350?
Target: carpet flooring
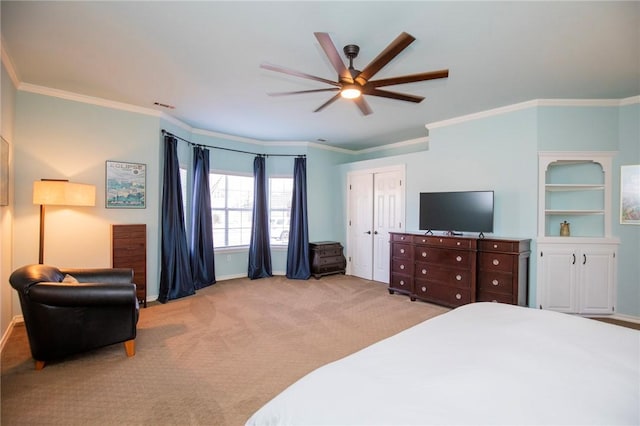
column 209, row 359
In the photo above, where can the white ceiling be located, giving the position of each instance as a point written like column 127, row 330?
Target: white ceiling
column 203, row 58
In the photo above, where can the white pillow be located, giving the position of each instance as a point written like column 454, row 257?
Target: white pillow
column 69, row 279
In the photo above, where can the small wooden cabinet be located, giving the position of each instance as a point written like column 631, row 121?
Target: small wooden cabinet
column 129, row 250
column 454, row 271
column 326, row 258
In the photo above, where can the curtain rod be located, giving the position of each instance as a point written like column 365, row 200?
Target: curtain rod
column 164, row 132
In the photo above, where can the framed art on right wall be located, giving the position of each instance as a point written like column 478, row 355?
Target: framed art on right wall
column 630, row 195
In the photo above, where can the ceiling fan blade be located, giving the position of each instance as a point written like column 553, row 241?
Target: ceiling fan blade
column 394, row 95
column 295, row 73
column 329, row 102
column 331, row 89
column 334, row 57
column 431, row 75
column 363, row 105
column 396, row 46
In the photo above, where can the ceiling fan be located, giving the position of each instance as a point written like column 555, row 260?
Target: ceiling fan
column 353, row 83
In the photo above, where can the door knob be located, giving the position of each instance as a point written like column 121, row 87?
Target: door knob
column 368, row 232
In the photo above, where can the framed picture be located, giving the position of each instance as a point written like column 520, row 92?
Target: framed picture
column 126, row 185
column 630, row 195
column 4, row 173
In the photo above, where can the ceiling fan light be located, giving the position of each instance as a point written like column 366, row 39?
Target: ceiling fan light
column 350, row 91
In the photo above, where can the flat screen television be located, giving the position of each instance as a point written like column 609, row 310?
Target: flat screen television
column 455, row 212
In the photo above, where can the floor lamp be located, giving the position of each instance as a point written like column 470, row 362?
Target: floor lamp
column 59, row 192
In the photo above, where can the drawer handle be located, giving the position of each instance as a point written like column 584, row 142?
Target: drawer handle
column 496, row 262
column 458, row 277
column 424, row 288
column 440, row 239
column 424, row 272
column 495, row 246
column 401, row 282
column 402, row 238
column 458, row 296
column 458, row 258
column 494, row 282
column 402, row 251
column 424, row 254
column 458, row 243
column 401, row 266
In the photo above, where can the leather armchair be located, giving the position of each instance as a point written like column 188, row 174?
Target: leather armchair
column 92, row 308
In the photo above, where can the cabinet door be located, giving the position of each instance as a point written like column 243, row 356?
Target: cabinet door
column 558, row 277
column 597, row 275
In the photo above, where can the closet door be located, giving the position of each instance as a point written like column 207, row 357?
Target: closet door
column 361, row 225
column 376, row 207
column 387, row 217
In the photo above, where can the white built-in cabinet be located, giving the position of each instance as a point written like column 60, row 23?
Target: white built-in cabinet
column 576, row 273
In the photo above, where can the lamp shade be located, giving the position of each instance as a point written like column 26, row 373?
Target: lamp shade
column 63, row 193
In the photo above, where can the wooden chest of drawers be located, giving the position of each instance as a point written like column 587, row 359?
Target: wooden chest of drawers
column 503, row 270
column 129, row 250
column 445, row 270
column 326, row 258
column 453, row 271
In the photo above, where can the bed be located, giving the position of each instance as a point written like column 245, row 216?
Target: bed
column 481, row 363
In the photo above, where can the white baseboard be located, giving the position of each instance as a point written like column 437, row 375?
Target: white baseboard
column 624, row 317
column 18, row 319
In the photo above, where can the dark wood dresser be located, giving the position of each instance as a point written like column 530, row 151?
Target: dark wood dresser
column 129, row 250
column 453, row 271
column 326, row 258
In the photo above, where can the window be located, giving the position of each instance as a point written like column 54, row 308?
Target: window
column 231, row 209
column 280, row 193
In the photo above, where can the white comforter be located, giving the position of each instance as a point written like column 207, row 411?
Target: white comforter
column 482, row 363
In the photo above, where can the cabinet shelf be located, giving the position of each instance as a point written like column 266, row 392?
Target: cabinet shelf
column 553, row 187
column 574, row 212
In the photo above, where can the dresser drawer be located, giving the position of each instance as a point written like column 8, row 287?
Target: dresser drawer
column 456, row 258
column 446, row 295
column 496, row 262
column 331, row 260
column 402, row 266
column 487, row 296
column 400, row 250
column 449, row 276
column 495, row 282
column 329, row 251
column 448, row 242
column 402, row 283
column 505, row 246
column 401, row 237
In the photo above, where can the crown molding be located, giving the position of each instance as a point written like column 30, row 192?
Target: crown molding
column 535, row 103
column 401, row 144
column 63, row 94
column 8, row 64
column 71, row 96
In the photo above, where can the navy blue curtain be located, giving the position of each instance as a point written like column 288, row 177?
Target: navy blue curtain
column 175, row 270
column 298, row 266
column 259, row 249
column 201, row 243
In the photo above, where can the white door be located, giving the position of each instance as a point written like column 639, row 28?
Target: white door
column 597, row 278
column 557, row 271
column 376, row 207
column 388, row 217
column 361, row 225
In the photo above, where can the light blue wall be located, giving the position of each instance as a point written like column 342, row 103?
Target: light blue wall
column 629, row 253
column 64, row 138
column 498, row 153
